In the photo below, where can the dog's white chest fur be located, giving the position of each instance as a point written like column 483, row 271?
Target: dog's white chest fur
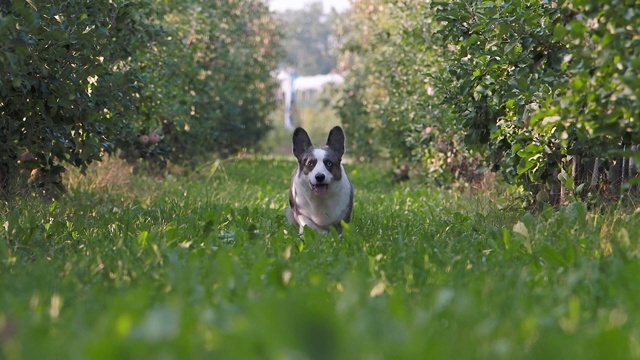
column 321, row 195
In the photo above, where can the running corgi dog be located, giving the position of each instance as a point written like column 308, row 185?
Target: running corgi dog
column 321, row 194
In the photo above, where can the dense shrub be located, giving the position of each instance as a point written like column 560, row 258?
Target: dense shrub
column 365, row 108
column 214, row 88
column 65, row 84
column 389, row 107
column 545, row 92
column 158, row 80
column 553, row 84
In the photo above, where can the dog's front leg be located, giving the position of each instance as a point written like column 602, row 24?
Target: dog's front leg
column 305, row 221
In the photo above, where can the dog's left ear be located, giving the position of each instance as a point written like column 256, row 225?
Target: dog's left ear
column 336, row 140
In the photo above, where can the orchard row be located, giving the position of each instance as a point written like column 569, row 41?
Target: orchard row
column 81, row 80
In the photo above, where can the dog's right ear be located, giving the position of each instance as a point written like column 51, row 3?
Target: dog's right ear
column 301, row 142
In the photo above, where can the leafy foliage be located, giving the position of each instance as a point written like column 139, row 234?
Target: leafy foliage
column 548, row 83
column 84, row 79
column 215, row 89
column 363, row 107
column 543, row 91
column 65, row 81
column 389, row 105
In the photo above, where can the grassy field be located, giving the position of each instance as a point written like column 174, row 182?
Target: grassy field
column 204, row 265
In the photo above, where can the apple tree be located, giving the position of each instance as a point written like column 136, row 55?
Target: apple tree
column 66, row 83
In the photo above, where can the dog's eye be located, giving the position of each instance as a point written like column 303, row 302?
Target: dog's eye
column 328, row 163
column 311, row 162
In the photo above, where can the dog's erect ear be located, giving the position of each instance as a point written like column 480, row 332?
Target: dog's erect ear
column 336, row 140
column 301, row 142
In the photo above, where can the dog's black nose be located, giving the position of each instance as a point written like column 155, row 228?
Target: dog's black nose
column 319, row 178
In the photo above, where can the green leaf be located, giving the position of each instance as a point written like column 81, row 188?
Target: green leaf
column 577, row 29
column 533, row 149
column 17, row 82
column 142, row 238
column 506, row 238
column 54, row 35
column 559, row 31
column 524, row 166
column 7, row 23
column 552, row 256
column 566, row 179
column 473, row 39
column 511, row 45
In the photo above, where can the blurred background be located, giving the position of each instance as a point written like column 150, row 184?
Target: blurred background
column 311, row 74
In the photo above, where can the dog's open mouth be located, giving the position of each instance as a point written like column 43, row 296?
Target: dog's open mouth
column 320, row 189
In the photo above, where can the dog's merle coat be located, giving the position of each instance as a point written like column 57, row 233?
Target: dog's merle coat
column 321, row 195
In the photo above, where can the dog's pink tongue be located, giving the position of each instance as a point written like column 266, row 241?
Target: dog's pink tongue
column 321, row 189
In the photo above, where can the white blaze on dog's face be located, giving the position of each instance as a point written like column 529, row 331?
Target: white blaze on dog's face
column 321, row 166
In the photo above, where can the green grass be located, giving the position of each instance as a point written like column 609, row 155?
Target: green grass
column 205, row 266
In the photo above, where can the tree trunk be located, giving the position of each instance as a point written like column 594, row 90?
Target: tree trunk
column 615, row 177
column 8, row 161
column 8, row 172
column 563, row 190
column 576, row 169
column 556, row 189
column 633, row 170
column 596, row 174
